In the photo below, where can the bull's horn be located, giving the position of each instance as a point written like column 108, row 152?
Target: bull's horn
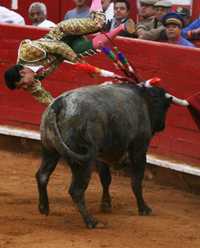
column 178, row 101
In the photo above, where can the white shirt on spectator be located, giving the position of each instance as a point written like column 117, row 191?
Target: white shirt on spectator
column 9, row 16
column 46, row 24
column 109, row 12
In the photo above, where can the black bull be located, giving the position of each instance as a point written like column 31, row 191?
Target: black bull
column 100, row 123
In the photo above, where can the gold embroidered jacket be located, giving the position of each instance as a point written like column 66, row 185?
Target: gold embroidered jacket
column 51, row 50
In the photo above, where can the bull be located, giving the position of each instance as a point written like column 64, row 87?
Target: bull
column 100, row 123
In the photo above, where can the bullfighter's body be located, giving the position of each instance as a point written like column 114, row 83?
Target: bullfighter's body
column 38, row 58
column 63, row 42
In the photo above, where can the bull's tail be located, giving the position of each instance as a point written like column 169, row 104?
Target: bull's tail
column 65, row 150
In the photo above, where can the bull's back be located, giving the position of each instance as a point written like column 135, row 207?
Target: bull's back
column 107, row 98
column 109, row 114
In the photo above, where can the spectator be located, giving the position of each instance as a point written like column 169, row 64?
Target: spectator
column 9, row 16
column 146, row 16
column 80, row 11
column 121, row 15
column 161, row 8
column 185, row 13
column 38, row 15
column 108, row 9
column 174, row 23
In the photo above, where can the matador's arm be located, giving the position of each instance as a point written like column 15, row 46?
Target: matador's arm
column 39, row 93
column 44, row 72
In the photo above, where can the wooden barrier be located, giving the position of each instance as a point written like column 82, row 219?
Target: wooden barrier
column 177, row 66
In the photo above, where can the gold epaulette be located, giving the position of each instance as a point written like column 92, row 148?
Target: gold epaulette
column 30, row 52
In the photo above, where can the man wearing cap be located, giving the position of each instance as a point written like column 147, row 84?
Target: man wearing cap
column 146, row 16
column 162, row 7
column 173, row 23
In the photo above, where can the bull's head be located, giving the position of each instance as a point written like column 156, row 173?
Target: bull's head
column 158, row 103
column 154, row 81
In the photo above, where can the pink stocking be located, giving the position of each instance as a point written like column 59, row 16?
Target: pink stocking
column 101, row 39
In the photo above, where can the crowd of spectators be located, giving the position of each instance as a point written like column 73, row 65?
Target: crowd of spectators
column 156, row 21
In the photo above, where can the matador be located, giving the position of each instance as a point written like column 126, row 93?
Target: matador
column 67, row 41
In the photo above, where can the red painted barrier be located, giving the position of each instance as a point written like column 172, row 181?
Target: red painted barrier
column 177, row 66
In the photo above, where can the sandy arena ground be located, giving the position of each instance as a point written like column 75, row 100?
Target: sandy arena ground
column 175, row 222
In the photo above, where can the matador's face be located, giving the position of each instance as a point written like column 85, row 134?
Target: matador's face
column 27, row 78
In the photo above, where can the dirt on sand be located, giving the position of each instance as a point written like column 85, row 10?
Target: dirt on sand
column 175, row 222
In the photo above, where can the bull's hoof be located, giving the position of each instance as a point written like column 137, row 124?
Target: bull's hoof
column 91, row 222
column 44, row 210
column 99, row 225
column 106, row 207
column 145, row 211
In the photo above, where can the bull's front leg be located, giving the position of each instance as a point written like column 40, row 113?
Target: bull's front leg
column 137, row 168
column 105, row 178
column 81, row 175
column 49, row 162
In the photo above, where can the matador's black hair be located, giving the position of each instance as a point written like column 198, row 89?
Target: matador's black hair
column 12, row 76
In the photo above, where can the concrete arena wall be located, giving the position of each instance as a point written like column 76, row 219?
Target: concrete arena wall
column 177, row 66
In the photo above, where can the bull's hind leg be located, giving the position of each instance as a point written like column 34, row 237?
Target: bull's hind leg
column 49, row 162
column 137, row 168
column 81, row 175
column 105, row 178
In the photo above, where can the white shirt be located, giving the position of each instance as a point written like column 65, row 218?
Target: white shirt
column 109, row 12
column 9, row 16
column 34, row 68
column 46, row 24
